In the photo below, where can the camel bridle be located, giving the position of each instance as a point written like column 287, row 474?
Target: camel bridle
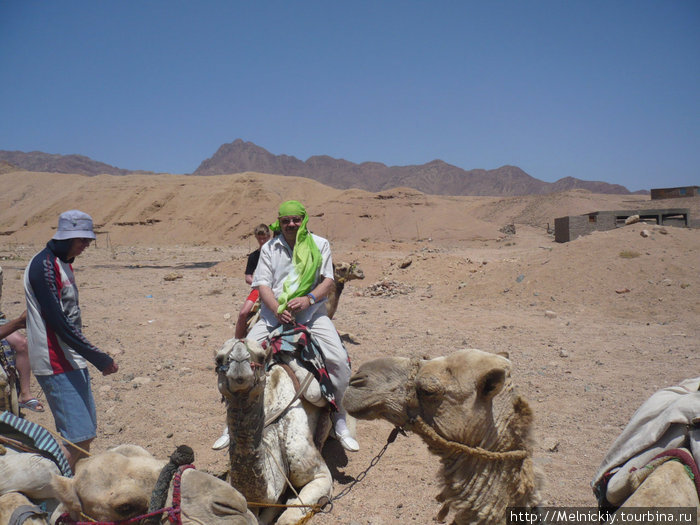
column 417, row 424
column 174, row 512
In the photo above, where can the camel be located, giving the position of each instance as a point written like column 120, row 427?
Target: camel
column 272, row 441
column 654, row 461
column 342, row 273
column 8, row 389
column 16, row 504
column 465, row 408
column 117, row 484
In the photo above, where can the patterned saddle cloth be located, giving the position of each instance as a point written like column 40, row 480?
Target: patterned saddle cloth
column 297, row 339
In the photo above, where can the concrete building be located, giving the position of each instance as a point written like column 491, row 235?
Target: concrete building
column 569, row 228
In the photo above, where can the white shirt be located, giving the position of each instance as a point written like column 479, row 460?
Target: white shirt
column 276, row 263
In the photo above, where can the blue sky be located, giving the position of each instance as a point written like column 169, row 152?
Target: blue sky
column 598, row 90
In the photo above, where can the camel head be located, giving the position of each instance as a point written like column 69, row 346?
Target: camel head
column 344, row 271
column 110, row 486
column 240, row 366
column 117, row 484
column 465, row 409
column 452, row 394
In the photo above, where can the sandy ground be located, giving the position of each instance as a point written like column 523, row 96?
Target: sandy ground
column 593, row 327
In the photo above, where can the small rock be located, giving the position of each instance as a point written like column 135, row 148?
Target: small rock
column 631, row 219
column 551, row 444
column 662, row 231
column 172, row 277
column 520, row 278
column 644, row 233
column 622, row 290
column 563, row 353
column 405, row 263
column 667, row 282
column 170, row 434
column 227, row 316
column 550, row 314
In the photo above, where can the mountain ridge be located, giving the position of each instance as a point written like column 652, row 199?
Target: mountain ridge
column 435, row 177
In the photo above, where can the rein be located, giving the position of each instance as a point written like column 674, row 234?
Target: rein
column 436, row 440
column 300, row 390
column 173, row 512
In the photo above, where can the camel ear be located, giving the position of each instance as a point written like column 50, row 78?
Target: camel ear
column 491, row 383
column 64, row 489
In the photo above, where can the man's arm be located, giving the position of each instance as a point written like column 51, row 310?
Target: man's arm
column 42, row 279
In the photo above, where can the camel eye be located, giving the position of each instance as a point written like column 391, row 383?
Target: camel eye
column 128, row 509
column 429, row 391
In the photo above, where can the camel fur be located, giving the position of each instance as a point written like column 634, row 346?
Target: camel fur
column 117, row 484
column 466, row 410
column 13, row 501
column 263, row 457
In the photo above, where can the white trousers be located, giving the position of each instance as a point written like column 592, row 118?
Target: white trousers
column 322, row 328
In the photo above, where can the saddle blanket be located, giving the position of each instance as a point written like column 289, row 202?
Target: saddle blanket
column 669, row 419
column 36, row 436
column 297, row 338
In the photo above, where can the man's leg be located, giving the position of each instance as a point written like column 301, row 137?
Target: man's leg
column 243, row 319
column 73, row 454
column 73, row 408
column 336, row 359
column 18, row 342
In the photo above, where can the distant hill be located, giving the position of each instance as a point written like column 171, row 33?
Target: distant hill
column 53, row 163
column 436, row 177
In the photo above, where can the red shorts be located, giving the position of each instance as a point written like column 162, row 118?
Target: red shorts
column 254, row 294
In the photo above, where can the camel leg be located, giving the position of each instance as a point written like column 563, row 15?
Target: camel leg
column 320, row 486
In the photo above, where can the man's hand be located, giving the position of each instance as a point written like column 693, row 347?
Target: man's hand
column 114, row 367
column 285, row 317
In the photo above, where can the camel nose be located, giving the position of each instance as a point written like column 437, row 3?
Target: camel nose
column 358, row 380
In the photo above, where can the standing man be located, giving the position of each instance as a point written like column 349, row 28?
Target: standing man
column 58, row 350
column 294, row 276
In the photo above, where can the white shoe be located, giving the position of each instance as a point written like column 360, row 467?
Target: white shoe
column 222, row 442
column 348, row 442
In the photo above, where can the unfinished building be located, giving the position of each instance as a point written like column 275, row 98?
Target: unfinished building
column 569, row 228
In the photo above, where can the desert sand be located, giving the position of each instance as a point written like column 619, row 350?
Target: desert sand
column 593, row 326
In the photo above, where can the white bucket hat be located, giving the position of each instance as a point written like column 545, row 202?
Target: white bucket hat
column 74, row 224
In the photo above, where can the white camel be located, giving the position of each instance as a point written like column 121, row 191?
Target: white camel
column 272, row 432
column 466, row 410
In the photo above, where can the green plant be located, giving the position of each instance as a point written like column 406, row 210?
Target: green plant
column 629, row 254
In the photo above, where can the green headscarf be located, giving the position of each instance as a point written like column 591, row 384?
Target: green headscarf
column 306, row 258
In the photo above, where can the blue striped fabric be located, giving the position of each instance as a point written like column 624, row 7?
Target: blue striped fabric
column 39, row 436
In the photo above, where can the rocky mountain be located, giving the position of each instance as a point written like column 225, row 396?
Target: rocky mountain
column 436, row 177
column 54, row 163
